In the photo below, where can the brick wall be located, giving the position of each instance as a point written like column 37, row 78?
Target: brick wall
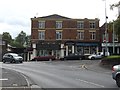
column 69, row 28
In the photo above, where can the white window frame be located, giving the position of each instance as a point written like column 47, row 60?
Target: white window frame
column 81, row 35
column 80, row 24
column 41, row 24
column 92, row 35
column 58, row 24
column 41, row 35
column 58, row 35
column 92, row 24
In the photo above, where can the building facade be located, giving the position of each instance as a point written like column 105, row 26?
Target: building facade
column 113, row 42
column 60, row 36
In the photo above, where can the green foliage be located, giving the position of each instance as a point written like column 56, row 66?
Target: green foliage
column 7, row 37
column 117, row 26
column 113, row 57
column 16, row 44
column 21, row 38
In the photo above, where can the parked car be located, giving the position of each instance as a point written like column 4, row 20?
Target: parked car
column 44, row 58
column 98, row 55
column 95, row 56
column 116, row 74
column 12, row 58
column 74, row 56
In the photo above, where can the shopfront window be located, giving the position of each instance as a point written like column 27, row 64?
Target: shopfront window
column 86, row 50
column 93, row 50
column 80, row 50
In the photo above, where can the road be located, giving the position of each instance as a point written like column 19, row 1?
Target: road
column 63, row 74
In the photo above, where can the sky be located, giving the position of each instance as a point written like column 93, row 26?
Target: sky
column 15, row 15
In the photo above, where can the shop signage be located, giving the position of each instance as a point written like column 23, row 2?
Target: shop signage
column 110, row 44
column 87, row 44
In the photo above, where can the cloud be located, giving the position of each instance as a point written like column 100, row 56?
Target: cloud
column 15, row 14
column 15, row 21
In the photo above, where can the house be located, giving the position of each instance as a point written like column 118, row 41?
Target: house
column 60, row 36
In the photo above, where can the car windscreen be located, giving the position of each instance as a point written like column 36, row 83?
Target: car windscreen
column 14, row 55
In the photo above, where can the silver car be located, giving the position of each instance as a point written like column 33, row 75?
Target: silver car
column 12, row 58
column 95, row 56
column 116, row 74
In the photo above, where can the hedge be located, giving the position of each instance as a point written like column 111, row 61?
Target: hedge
column 111, row 60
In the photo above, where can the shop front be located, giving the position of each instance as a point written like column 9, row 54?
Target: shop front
column 48, row 48
column 112, row 48
column 87, row 48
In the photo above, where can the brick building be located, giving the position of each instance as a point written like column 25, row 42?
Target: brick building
column 58, row 35
column 110, row 45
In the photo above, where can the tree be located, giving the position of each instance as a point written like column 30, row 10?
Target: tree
column 21, row 38
column 114, row 5
column 116, row 22
column 28, row 41
column 7, row 37
column 117, row 27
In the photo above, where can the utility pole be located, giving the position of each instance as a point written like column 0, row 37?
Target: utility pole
column 113, row 38
column 106, row 36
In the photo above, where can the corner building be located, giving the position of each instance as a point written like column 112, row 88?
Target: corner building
column 60, row 36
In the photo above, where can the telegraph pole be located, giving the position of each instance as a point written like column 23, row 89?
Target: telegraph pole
column 113, row 38
column 106, row 36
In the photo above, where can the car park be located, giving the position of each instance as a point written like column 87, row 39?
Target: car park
column 44, row 58
column 116, row 74
column 12, row 58
column 74, row 56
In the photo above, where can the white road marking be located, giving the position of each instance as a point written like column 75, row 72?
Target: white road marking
column 91, row 83
column 4, row 79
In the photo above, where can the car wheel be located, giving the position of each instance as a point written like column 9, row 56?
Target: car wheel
column 35, row 60
column 4, row 61
column 13, row 61
column 80, row 58
column 93, row 58
column 118, row 80
column 21, row 61
column 65, row 58
column 50, row 59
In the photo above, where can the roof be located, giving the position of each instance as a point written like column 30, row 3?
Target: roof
column 54, row 16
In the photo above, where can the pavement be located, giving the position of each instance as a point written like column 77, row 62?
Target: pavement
column 12, row 80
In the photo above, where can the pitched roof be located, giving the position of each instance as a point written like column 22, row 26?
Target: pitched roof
column 54, row 16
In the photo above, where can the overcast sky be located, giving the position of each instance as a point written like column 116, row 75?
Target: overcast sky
column 15, row 14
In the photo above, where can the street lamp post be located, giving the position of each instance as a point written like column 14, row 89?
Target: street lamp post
column 113, row 39
column 106, row 36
